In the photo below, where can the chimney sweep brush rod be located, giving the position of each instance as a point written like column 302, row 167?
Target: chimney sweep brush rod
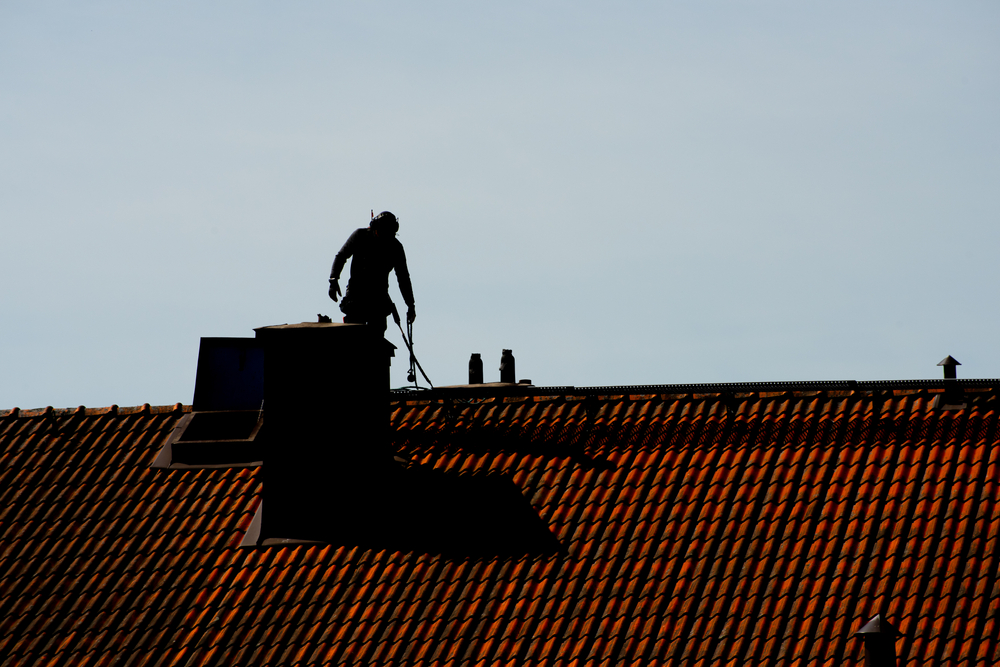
column 409, row 345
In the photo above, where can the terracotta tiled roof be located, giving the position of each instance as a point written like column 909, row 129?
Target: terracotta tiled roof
column 752, row 528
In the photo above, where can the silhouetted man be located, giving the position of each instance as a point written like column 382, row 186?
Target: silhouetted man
column 375, row 253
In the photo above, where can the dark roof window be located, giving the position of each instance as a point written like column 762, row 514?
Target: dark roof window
column 229, row 439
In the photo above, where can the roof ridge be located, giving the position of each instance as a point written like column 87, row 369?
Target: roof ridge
column 114, row 409
column 690, row 388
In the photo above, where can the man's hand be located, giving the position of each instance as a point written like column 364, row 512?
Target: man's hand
column 411, row 314
column 334, row 288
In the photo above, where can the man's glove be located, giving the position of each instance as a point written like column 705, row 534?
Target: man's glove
column 411, row 314
column 334, row 288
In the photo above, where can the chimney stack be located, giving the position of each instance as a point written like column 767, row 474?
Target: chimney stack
column 880, row 638
column 326, row 412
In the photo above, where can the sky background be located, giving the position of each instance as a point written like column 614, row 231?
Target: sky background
column 622, row 193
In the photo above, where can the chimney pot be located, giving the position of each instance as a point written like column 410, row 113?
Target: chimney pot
column 476, row 369
column 507, row 367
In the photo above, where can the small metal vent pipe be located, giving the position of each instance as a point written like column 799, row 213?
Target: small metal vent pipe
column 880, row 642
column 507, row 367
column 949, row 364
column 476, row 369
column 953, row 397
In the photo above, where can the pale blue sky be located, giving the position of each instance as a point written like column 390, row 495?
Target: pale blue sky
column 623, row 193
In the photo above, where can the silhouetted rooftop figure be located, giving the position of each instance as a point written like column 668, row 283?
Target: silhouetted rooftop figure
column 375, row 252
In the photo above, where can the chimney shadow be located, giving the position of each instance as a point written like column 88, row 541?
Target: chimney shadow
column 418, row 509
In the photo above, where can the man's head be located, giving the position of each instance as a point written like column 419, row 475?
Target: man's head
column 384, row 224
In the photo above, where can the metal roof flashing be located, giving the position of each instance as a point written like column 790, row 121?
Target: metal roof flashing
column 306, row 325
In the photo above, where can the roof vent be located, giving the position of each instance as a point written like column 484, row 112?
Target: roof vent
column 880, row 638
column 953, row 397
column 949, row 364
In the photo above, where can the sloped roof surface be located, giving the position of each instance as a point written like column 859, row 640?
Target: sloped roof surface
column 755, row 529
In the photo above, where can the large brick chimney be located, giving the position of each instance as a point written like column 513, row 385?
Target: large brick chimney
column 325, row 405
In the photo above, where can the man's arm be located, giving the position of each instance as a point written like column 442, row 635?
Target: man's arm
column 341, row 258
column 338, row 264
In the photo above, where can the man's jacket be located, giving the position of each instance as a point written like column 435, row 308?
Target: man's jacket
column 374, row 258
